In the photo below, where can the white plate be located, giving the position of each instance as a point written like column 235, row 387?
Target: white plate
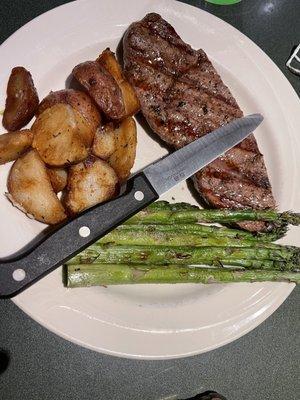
column 154, row 322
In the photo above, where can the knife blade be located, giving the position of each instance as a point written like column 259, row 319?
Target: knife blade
column 19, row 272
column 183, row 163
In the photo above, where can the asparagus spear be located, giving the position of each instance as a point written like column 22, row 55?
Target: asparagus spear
column 118, row 274
column 91, row 257
column 203, row 231
column 282, row 257
column 162, row 212
column 154, row 235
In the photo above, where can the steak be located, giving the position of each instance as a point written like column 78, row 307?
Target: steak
column 183, row 98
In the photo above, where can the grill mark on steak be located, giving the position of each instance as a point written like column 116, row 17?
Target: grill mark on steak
column 208, row 86
column 182, row 97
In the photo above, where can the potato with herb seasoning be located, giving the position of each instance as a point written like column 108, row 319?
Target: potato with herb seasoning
column 104, row 143
column 61, row 136
column 122, row 158
column 22, row 100
column 58, row 178
column 131, row 103
column 90, row 182
column 30, row 190
column 77, row 99
column 13, row 144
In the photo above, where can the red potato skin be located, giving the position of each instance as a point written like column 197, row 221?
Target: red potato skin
column 22, row 100
column 77, row 99
column 102, row 87
column 108, row 61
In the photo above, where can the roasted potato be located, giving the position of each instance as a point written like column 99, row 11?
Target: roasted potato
column 21, row 101
column 104, row 141
column 131, row 103
column 80, row 101
column 13, row 144
column 84, row 129
column 58, row 178
column 102, row 87
column 30, row 189
column 122, row 159
column 61, row 136
column 90, row 182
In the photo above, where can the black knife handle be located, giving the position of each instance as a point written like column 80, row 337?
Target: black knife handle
column 17, row 273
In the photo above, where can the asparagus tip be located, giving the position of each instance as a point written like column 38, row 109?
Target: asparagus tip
column 290, row 217
column 296, row 259
column 275, row 231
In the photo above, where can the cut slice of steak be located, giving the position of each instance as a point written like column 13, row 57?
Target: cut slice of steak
column 182, row 98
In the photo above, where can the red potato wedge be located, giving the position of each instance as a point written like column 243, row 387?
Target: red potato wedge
column 30, row 190
column 122, row 159
column 80, row 102
column 90, row 182
column 104, row 141
column 22, row 100
column 61, row 136
column 58, row 178
column 102, row 87
column 13, row 144
column 131, row 103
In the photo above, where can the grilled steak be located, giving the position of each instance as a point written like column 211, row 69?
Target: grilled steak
column 182, row 97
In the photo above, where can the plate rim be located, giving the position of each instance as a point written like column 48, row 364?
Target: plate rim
column 283, row 82
column 274, row 306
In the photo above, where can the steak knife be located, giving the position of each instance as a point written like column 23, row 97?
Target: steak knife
column 17, row 272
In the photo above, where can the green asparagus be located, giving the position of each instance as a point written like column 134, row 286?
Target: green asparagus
column 165, row 242
column 118, row 274
column 162, row 212
column 203, row 231
column 282, row 257
column 154, row 235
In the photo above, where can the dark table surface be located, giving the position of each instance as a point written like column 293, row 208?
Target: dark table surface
column 261, row 365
